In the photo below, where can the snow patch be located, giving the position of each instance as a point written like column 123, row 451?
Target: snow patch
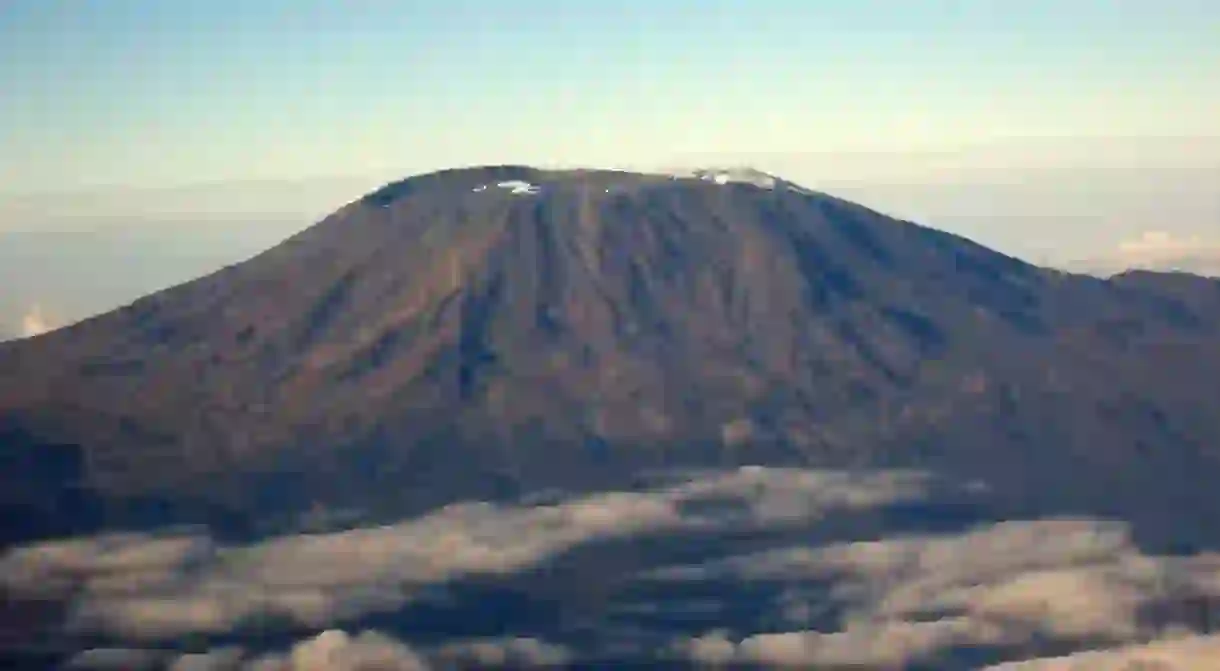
column 725, row 176
column 512, row 186
column 518, row 186
column 738, row 175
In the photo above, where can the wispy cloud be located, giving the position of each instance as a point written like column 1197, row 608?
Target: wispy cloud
column 1186, row 653
column 911, row 599
column 34, row 322
column 512, row 653
column 337, row 650
column 815, row 601
column 110, row 659
column 1159, row 250
column 1154, row 246
column 334, row 649
column 150, row 587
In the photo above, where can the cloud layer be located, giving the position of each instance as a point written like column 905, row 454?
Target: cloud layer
column 335, row 650
column 1160, row 250
column 150, row 587
column 1188, row 653
column 34, row 323
column 920, row 599
column 885, row 601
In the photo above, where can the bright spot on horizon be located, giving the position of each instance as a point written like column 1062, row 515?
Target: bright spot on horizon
column 34, row 323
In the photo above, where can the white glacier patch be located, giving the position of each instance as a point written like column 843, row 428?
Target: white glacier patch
column 730, row 176
column 518, row 186
column 512, row 186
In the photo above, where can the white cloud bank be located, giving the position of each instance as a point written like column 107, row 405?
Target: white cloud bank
column 1160, row 250
column 914, row 599
column 336, row 650
column 878, row 604
column 1189, row 653
column 34, row 323
column 150, row 587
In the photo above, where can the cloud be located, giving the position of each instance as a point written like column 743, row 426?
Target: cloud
column 336, row 650
column 514, row 653
column 912, row 599
column 884, row 644
column 222, row 659
column 116, row 564
column 34, row 323
column 1160, row 250
column 711, row 649
column 330, row 650
column 158, row 587
column 117, row 659
column 1190, row 653
column 885, row 603
column 1153, row 244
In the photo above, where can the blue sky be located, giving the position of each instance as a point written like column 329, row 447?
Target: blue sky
column 146, row 92
column 208, row 129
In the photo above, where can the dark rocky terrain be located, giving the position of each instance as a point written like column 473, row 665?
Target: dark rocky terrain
column 449, row 339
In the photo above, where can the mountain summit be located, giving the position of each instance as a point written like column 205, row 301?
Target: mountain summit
column 493, row 331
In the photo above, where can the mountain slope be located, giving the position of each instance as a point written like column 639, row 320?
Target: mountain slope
column 488, row 332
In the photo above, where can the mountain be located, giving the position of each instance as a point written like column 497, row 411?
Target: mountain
column 503, row 417
column 484, row 333
column 1206, row 264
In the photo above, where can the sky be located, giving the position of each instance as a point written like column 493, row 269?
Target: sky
column 155, row 93
column 997, row 119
